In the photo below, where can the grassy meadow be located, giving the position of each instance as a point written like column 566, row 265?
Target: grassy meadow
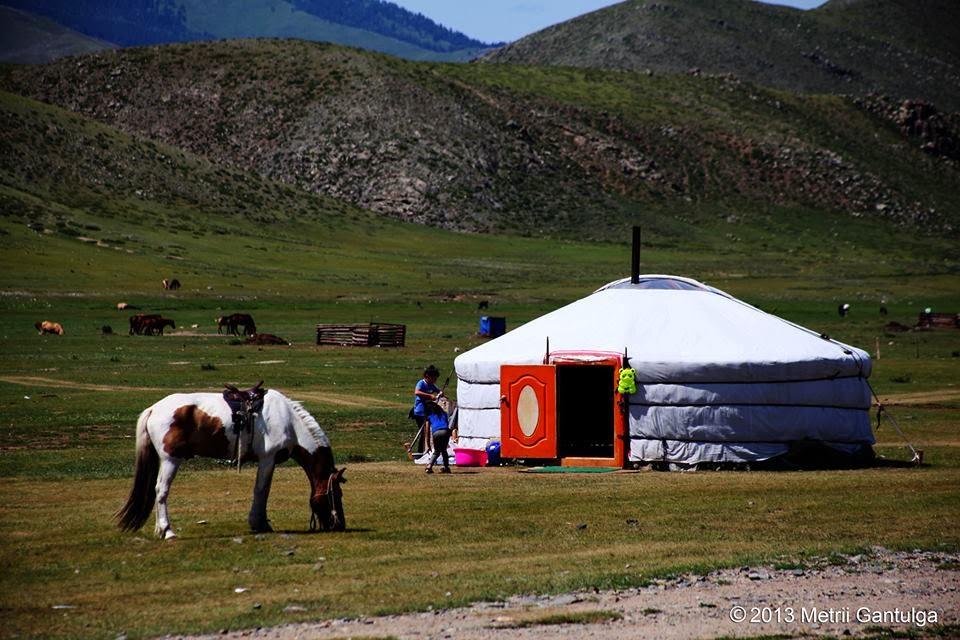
column 101, row 217
column 69, row 405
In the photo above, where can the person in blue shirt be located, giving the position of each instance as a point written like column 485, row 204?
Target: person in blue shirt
column 440, row 430
column 425, row 391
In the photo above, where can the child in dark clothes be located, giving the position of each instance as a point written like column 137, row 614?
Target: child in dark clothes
column 440, row 429
column 425, row 391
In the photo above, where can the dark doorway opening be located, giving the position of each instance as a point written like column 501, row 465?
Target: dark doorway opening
column 585, row 411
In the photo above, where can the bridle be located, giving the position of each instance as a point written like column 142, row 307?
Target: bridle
column 331, row 504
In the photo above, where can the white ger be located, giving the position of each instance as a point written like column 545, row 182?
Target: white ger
column 719, row 382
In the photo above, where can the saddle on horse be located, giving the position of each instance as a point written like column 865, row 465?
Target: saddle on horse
column 245, row 406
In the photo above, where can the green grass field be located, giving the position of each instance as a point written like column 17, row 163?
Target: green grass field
column 69, row 405
column 101, row 218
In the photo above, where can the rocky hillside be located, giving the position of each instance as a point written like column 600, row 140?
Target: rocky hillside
column 28, row 38
column 904, row 48
column 369, row 24
column 85, row 165
column 561, row 152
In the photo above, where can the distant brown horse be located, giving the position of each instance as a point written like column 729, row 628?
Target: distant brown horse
column 155, row 326
column 235, row 320
column 137, row 322
column 47, row 327
column 171, row 285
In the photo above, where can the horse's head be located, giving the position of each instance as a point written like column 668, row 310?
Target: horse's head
column 326, row 503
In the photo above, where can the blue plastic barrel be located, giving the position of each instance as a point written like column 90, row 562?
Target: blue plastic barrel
column 493, row 453
column 492, row 326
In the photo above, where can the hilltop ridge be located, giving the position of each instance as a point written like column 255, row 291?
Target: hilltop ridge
column 895, row 47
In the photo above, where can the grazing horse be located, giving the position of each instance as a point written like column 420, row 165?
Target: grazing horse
column 234, row 320
column 46, row 327
column 155, row 326
column 138, row 321
column 184, row 425
column 171, row 285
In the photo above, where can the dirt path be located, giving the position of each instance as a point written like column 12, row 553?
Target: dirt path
column 825, row 598
column 38, row 381
column 922, row 397
column 348, row 400
column 337, row 399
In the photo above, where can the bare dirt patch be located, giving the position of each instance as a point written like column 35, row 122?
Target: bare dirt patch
column 338, row 399
column 38, row 381
column 836, row 596
column 922, row 397
column 347, row 400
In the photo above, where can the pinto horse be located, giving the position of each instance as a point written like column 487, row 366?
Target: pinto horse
column 184, row 425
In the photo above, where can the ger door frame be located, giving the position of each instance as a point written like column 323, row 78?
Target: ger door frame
column 539, row 439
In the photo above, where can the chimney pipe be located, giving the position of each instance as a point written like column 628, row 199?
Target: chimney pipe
column 635, row 257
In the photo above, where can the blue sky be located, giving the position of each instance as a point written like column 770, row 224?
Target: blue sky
column 505, row 20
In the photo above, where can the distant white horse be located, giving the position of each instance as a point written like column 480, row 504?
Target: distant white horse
column 184, row 425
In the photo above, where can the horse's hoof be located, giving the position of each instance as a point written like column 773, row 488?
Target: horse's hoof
column 169, row 535
column 261, row 527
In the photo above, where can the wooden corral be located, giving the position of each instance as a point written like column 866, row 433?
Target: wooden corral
column 372, row 334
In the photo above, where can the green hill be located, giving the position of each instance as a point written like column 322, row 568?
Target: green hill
column 87, row 210
column 30, row 39
column 903, row 48
column 538, row 151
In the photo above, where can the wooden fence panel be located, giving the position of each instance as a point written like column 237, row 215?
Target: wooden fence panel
column 362, row 335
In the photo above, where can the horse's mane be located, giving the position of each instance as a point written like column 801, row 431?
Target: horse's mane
column 308, row 422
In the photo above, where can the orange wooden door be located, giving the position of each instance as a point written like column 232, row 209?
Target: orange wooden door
column 528, row 411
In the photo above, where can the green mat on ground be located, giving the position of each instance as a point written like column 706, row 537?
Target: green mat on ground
column 572, row 469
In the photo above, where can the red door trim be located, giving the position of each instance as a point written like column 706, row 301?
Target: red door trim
column 541, row 441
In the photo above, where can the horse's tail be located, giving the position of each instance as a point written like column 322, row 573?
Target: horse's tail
column 135, row 512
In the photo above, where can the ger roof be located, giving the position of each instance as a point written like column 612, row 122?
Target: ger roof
column 674, row 330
